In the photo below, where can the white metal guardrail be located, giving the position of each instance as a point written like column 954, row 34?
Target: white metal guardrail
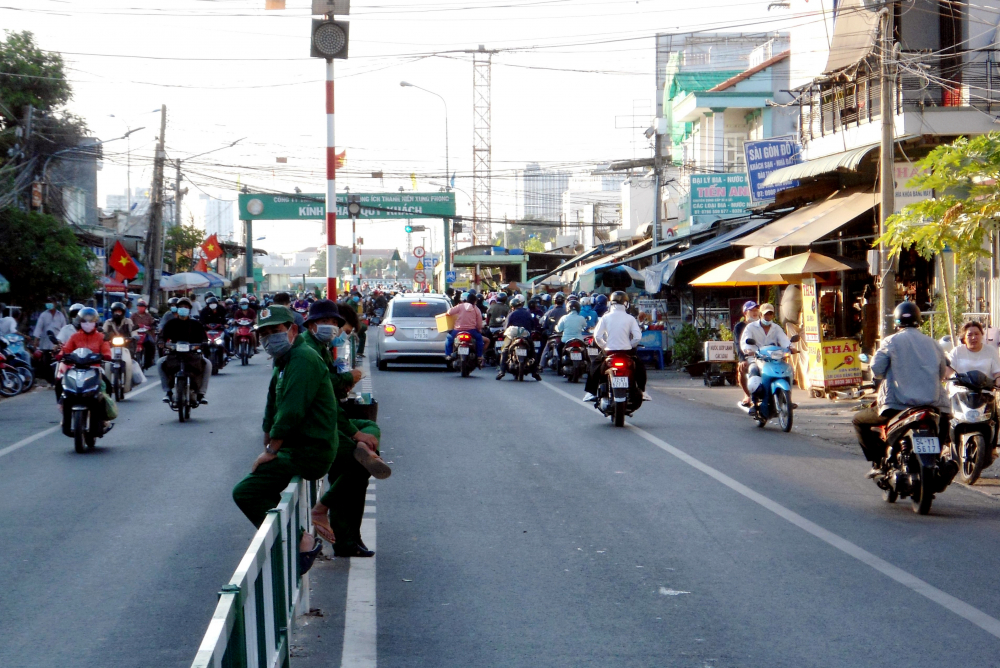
column 251, row 624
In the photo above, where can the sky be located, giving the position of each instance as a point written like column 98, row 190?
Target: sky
column 569, row 81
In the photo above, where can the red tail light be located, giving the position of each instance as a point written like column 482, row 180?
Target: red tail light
column 618, row 364
column 464, row 337
column 390, row 330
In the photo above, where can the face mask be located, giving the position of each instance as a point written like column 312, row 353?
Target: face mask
column 277, row 344
column 117, row 317
column 213, row 306
column 765, row 321
column 339, row 341
column 183, row 311
column 173, row 309
column 49, row 306
column 88, row 327
column 325, row 333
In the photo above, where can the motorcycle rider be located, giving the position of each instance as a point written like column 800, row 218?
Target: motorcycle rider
column 184, row 329
column 300, row 302
column 244, row 311
column 498, row 311
column 72, row 326
column 549, row 321
column 600, row 305
column 972, row 354
column 913, row 367
column 751, row 313
column 765, row 332
column 573, row 324
column 588, row 312
column 92, row 339
column 520, row 323
column 468, row 318
column 118, row 324
column 170, row 314
column 142, row 318
column 617, row 332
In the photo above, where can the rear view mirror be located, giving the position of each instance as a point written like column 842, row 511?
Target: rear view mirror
column 794, row 339
column 863, row 357
column 751, row 342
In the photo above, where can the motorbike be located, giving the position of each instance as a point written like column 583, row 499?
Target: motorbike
column 519, row 359
column 618, row 395
column 574, row 361
column 82, row 398
column 145, row 354
column 550, row 353
column 376, row 318
column 538, row 339
column 185, row 394
column 465, row 348
column 492, row 345
column 770, row 385
column 243, row 340
column 19, row 357
column 117, row 368
column 10, row 381
column 216, row 350
column 973, row 423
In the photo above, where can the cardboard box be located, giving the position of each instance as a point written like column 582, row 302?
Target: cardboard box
column 445, row 322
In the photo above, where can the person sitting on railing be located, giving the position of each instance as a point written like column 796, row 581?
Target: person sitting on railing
column 300, row 425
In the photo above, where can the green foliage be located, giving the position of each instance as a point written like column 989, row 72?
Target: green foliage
column 688, row 346
column 182, row 240
column 41, row 257
column 343, row 260
column 959, row 305
column 372, row 266
column 530, row 238
column 725, row 334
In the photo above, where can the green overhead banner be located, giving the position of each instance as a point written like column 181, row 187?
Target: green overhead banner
column 374, row 206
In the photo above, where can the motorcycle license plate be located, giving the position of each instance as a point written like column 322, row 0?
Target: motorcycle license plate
column 619, row 381
column 498, row 345
column 592, row 352
column 926, row 445
column 576, row 357
column 538, row 345
column 116, row 353
column 464, row 350
column 521, row 352
column 183, row 347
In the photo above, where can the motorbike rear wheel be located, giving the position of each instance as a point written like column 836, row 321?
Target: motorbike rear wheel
column 618, row 418
column 27, row 378
column 889, row 495
column 181, row 397
column 783, row 402
column 923, row 496
column 119, row 385
column 79, row 427
column 244, row 353
column 973, row 458
column 216, row 361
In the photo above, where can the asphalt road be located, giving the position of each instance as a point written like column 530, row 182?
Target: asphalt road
column 520, row 529
column 115, row 557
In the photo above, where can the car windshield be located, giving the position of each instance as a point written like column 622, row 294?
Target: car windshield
column 418, row 309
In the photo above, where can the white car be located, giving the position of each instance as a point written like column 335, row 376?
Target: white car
column 408, row 332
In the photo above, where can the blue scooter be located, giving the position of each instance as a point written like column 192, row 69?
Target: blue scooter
column 770, row 385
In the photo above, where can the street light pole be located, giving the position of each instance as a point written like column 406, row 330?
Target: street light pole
column 331, row 189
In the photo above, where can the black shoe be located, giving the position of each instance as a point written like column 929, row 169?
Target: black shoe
column 501, row 375
column 306, row 559
column 358, row 550
column 202, row 399
column 534, row 374
column 170, row 396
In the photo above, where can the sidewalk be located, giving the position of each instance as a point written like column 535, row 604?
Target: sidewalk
column 824, row 419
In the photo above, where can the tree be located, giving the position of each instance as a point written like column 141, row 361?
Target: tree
column 371, row 267
column 319, row 264
column 41, row 257
column 182, row 240
column 961, row 216
column 531, row 238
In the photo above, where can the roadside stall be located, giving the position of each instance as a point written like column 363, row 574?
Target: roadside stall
column 826, row 365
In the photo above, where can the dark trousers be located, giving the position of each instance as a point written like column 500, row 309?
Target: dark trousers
column 348, row 485
column 867, row 420
column 596, row 374
column 362, row 337
column 260, row 491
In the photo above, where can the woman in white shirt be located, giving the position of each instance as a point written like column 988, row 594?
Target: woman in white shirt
column 972, row 354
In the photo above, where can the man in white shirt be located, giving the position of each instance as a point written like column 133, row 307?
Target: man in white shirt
column 617, row 332
column 8, row 325
column 71, row 328
column 50, row 320
column 764, row 332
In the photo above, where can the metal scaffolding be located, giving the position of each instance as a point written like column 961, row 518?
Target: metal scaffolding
column 481, row 152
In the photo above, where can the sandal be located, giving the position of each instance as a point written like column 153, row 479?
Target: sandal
column 306, row 559
column 324, row 530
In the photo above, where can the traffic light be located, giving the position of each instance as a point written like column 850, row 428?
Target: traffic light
column 408, row 228
column 415, row 228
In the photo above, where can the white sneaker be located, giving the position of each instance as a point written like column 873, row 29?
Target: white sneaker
column 588, row 397
column 646, row 396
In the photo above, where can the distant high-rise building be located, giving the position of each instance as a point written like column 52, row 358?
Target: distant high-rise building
column 540, row 192
column 220, row 217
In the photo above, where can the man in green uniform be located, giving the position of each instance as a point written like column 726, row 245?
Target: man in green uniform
column 338, row 515
column 300, row 423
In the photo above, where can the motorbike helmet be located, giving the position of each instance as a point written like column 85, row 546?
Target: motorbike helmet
column 517, row 301
column 88, row 314
column 118, row 306
column 586, row 301
column 244, row 302
column 141, row 302
column 907, row 314
column 470, row 297
column 252, row 299
column 573, row 305
column 546, row 300
column 172, row 301
column 502, row 297
column 211, row 300
column 619, row 297
column 229, row 302
column 560, row 299
column 209, row 295
column 184, row 301
column 74, row 311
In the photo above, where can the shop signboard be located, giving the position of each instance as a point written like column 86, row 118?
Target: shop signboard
column 719, row 195
column 766, row 156
column 835, row 364
column 374, row 206
column 810, row 311
column 903, row 194
column 720, row 351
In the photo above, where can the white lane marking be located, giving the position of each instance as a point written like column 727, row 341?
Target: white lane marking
column 989, row 624
column 51, row 430
column 360, row 648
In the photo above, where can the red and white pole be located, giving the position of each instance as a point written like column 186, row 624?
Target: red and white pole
column 331, row 190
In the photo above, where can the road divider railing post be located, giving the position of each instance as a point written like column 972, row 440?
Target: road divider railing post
column 253, row 619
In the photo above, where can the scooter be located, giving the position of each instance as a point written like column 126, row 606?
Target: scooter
column 81, row 398
column 10, row 382
column 243, row 340
column 574, row 361
column 492, row 345
column 550, row 354
column 519, row 359
column 118, row 368
column 145, row 354
column 770, row 385
column 216, row 351
column 973, row 423
column 618, row 395
column 185, row 394
column 18, row 358
column 465, row 346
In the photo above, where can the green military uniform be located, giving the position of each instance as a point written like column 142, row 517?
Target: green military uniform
column 301, row 411
column 348, row 478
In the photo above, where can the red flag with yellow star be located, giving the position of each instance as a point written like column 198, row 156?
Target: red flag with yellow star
column 211, row 248
column 122, row 262
column 201, row 266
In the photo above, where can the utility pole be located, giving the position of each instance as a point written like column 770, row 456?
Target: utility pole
column 154, row 236
column 657, row 168
column 178, row 196
column 886, row 277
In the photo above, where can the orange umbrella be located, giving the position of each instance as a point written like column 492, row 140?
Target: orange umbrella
column 737, row 274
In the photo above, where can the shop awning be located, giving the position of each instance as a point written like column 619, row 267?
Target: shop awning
column 804, row 226
column 854, row 31
column 570, row 276
column 663, row 273
column 848, row 160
